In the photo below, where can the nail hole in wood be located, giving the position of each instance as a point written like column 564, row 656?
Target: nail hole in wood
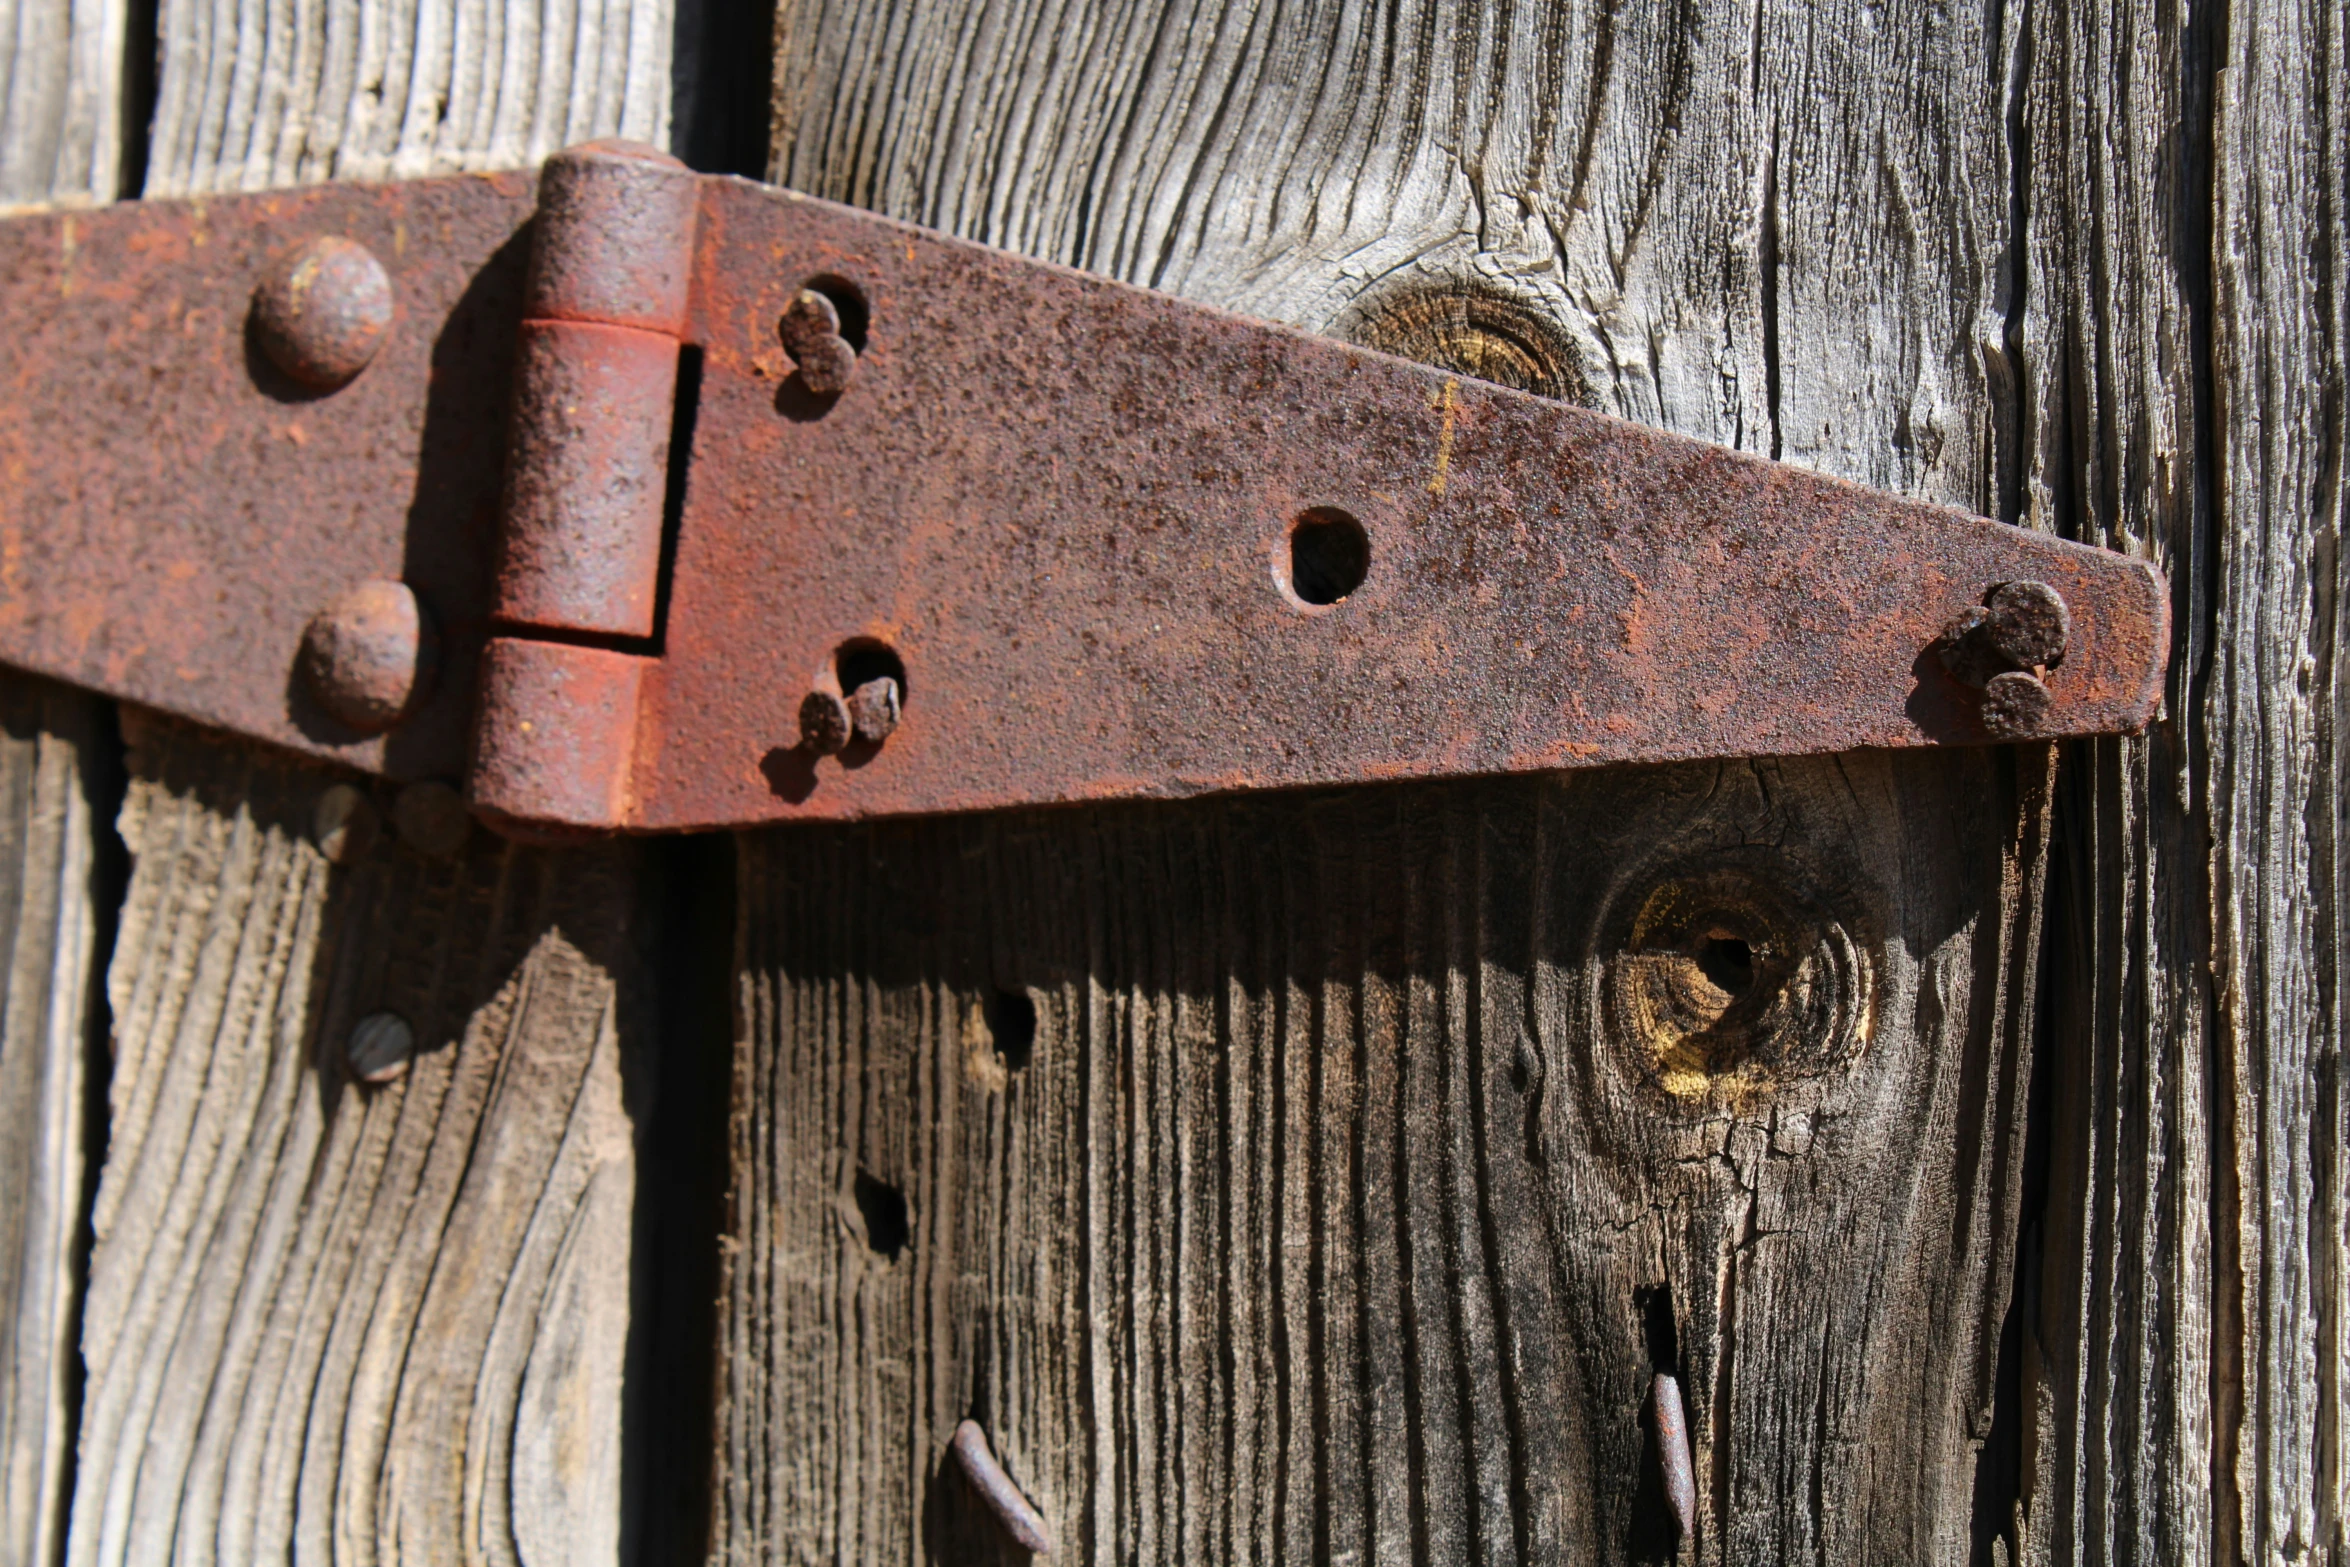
column 1011, row 1027
column 883, row 1207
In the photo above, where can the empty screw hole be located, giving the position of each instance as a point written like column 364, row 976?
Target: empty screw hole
column 849, row 302
column 1728, row 963
column 1329, row 555
column 887, row 1228
column 1011, row 1023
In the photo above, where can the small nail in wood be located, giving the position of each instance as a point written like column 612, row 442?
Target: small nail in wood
column 1021, row 1521
column 1672, row 1446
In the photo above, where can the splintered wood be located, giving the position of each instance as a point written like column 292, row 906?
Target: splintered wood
column 1353, row 1186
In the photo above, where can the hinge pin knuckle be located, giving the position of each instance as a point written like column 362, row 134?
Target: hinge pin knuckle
column 587, row 475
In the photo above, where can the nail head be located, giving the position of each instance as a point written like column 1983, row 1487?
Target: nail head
column 322, row 310
column 368, row 656
column 381, row 1047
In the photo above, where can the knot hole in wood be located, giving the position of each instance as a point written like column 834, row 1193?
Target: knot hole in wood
column 1475, row 327
column 1729, row 979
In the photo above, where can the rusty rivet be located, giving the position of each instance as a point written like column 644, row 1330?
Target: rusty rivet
column 344, row 824
column 811, row 335
column 322, row 310
column 381, row 1047
column 369, row 654
column 825, row 724
column 1020, row 1520
column 430, row 818
column 1670, row 1423
column 2028, row 624
column 874, row 708
column 2015, row 705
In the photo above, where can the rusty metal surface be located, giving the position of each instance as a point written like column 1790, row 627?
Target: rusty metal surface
column 1065, row 506
column 1097, row 542
column 174, row 508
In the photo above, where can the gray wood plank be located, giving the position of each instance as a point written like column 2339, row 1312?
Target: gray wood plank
column 332, row 1317
column 63, row 103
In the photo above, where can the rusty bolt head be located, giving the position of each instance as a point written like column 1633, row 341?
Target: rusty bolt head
column 368, row 656
column 825, row 725
column 381, row 1047
column 430, row 818
column 2028, row 624
column 344, row 824
column 2015, row 705
column 874, row 709
column 322, row 310
column 811, row 335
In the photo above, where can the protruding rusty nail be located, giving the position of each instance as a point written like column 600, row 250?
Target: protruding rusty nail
column 825, row 724
column 811, row 335
column 381, row 1047
column 430, row 818
column 1670, row 1422
column 1022, row 1522
column 874, row 709
column 2015, row 705
column 368, row 656
column 322, row 310
column 344, row 824
column 2028, row 624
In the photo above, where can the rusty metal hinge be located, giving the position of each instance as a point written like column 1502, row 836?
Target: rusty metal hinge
column 696, row 503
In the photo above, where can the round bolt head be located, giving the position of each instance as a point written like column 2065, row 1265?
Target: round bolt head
column 381, row 1047
column 2028, row 624
column 322, row 310
column 2015, row 705
column 811, row 335
column 368, row 656
column 825, row 725
column 431, row 818
column 345, row 824
column 874, row 709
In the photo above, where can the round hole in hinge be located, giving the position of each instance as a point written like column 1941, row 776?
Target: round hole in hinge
column 861, row 659
column 1329, row 556
column 849, row 301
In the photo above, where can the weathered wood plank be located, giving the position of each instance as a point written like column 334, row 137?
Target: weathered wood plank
column 62, row 100
column 50, row 915
column 1780, row 226
column 290, row 91
column 1370, row 1154
column 2280, row 304
column 327, row 1317
column 62, row 109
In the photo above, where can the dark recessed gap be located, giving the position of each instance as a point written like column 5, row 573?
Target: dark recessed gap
column 721, row 70
column 1329, row 555
column 849, row 302
column 1727, row 962
column 673, row 496
column 887, row 1226
column 861, row 660
column 1659, row 1335
column 1011, row 1024
column 142, row 44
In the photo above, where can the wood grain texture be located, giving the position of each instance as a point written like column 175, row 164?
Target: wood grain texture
column 62, row 67
column 2280, row 304
column 49, row 923
column 1371, row 1153
column 285, row 92
column 337, row 1320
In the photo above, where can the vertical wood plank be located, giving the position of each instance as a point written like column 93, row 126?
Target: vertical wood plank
column 62, row 111
column 62, row 101
column 50, row 739
column 332, row 1318
column 1370, row 1154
